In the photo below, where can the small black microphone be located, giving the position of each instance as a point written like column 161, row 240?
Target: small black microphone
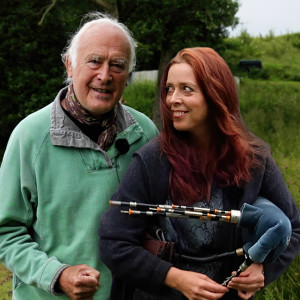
column 122, row 146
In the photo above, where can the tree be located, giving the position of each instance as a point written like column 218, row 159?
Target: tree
column 33, row 35
column 162, row 28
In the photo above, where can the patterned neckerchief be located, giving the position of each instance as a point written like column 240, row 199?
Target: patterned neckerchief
column 107, row 126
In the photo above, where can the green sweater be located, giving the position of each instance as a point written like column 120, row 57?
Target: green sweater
column 54, row 185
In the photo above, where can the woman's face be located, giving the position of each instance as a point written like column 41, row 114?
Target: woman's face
column 186, row 101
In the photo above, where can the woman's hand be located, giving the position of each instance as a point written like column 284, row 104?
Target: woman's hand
column 249, row 281
column 194, row 286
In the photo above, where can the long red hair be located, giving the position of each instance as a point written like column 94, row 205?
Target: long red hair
column 234, row 150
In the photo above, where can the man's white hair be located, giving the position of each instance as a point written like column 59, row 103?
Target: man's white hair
column 97, row 18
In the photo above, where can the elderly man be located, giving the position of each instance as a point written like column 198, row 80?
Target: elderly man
column 63, row 163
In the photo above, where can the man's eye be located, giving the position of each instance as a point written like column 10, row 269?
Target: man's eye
column 117, row 67
column 93, row 63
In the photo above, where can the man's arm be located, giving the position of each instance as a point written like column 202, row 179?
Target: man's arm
column 18, row 196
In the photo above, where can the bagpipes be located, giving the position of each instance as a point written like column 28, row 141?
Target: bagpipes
column 269, row 229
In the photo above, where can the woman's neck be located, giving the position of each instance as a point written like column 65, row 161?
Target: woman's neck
column 202, row 141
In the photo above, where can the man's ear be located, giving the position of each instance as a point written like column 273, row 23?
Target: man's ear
column 68, row 65
column 128, row 80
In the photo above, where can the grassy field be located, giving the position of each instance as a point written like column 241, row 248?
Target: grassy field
column 5, row 283
column 271, row 109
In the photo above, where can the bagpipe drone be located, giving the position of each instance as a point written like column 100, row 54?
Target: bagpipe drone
column 269, row 229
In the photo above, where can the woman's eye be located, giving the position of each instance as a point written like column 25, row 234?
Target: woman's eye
column 168, row 89
column 187, row 89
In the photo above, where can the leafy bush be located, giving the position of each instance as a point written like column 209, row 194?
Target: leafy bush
column 296, row 40
column 31, row 68
column 140, row 95
column 280, row 55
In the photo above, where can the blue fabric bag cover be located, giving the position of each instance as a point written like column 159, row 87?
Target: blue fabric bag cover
column 269, row 230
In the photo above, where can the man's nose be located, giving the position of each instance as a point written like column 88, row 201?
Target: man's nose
column 103, row 73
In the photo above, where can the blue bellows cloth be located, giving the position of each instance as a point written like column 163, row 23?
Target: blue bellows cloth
column 269, row 230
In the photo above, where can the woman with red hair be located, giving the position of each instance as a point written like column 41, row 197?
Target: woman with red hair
column 204, row 157
column 218, row 148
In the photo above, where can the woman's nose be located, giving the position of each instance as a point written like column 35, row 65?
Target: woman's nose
column 175, row 97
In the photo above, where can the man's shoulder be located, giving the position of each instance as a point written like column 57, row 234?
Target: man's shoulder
column 140, row 117
column 146, row 125
column 36, row 123
column 40, row 116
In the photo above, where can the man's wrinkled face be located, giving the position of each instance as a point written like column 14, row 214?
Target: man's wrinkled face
column 102, row 68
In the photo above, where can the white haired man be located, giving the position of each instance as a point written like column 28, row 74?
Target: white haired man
column 63, row 163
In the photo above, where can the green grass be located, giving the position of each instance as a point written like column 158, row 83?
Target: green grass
column 5, row 283
column 287, row 287
column 271, row 110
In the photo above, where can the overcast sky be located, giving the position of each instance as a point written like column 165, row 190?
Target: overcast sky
column 261, row 16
